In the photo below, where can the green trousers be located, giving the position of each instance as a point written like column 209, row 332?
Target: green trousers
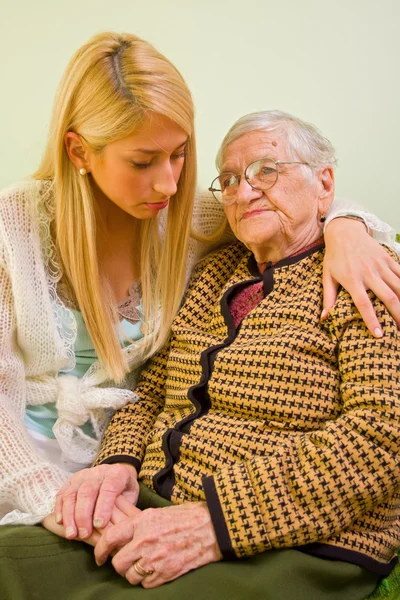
column 37, row 565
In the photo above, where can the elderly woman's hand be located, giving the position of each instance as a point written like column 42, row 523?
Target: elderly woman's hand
column 165, row 542
column 88, row 497
column 359, row 263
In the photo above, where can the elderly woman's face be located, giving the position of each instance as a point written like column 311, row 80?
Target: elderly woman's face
column 285, row 218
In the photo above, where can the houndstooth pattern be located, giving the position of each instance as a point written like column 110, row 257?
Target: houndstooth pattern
column 296, row 438
column 37, row 335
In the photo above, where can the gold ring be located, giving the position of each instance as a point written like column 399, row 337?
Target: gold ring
column 140, row 571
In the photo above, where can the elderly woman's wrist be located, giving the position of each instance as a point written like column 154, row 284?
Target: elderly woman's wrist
column 132, row 468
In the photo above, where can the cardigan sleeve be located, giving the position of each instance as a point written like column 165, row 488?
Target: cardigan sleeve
column 379, row 230
column 319, row 483
column 125, row 437
column 27, row 484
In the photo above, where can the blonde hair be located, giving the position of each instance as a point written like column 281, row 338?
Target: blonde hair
column 110, row 86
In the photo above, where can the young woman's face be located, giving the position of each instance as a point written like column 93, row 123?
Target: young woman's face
column 140, row 173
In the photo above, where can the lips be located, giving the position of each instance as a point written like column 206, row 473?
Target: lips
column 157, row 205
column 253, row 213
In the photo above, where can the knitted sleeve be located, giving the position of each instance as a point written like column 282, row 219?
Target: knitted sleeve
column 27, row 484
column 380, row 231
column 208, row 218
column 318, row 484
column 125, row 438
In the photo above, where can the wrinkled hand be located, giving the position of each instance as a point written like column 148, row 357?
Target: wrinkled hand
column 168, row 541
column 88, row 498
column 359, row 263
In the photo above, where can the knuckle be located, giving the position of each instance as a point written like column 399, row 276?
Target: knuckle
column 362, row 302
column 130, row 577
column 391, row 297
column 88, row 489
column 60, row 493
column 108, row 488
column 70, row 497
column 117, row 564
column 111, row 536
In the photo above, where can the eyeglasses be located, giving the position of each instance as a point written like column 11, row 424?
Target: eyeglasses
column 261, row 175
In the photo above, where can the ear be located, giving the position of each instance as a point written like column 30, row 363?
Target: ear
column 326, row 179
column 76, row 150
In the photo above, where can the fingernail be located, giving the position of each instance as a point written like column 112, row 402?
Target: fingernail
column 59, row 517
column 324, row 314
column 70, row 532
column 98, row 523
column 378, row 332
column 83, row 532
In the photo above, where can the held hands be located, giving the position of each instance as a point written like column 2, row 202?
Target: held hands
column 153, row 546
column 89, row 496
column 122, row 509
column 161, row 544
column 359, row 263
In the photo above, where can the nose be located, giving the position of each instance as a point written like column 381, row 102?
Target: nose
column 246, row 193
column 166, row 182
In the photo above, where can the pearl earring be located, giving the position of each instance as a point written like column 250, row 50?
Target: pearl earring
column 82, row 171
column 322, row 218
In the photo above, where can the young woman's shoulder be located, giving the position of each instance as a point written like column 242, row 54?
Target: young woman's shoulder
column 24, row 217
column 209, row 226
column 23, row 192
column 19, row 203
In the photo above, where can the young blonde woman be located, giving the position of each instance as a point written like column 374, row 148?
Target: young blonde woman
column 94, row 255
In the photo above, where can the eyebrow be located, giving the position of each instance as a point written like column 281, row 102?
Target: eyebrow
column 147, row 151
column 224, row 171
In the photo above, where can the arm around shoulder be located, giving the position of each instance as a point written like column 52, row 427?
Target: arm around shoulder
column 378, row 229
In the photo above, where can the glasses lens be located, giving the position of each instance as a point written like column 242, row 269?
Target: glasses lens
column 225, row 188
column 262, row 174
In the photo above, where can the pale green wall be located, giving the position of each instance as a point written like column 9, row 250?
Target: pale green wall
column 333, row 63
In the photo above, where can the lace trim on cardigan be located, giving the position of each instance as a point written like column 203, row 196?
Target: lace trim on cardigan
column 128, row 309
column 64, row 319
column 63, row 316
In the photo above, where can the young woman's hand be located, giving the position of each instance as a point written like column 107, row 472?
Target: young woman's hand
column 357, row 262
column 122, row 509
column 87, row 499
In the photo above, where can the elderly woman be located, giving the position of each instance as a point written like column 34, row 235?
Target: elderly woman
column 273, row 433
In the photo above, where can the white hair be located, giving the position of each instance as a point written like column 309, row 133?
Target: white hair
column 303, row 141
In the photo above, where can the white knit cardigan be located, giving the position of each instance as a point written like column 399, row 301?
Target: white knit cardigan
column 36, row 343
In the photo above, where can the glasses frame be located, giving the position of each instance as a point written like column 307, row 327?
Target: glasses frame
column 238, row 178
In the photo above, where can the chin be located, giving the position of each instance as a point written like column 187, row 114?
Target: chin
column 257, row 237
column 142, row 215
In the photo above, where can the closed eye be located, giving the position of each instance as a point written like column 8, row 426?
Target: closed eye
column 137, row 165
column 178, row 156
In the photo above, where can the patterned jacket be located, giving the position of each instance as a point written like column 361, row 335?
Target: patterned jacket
column 287, row 426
